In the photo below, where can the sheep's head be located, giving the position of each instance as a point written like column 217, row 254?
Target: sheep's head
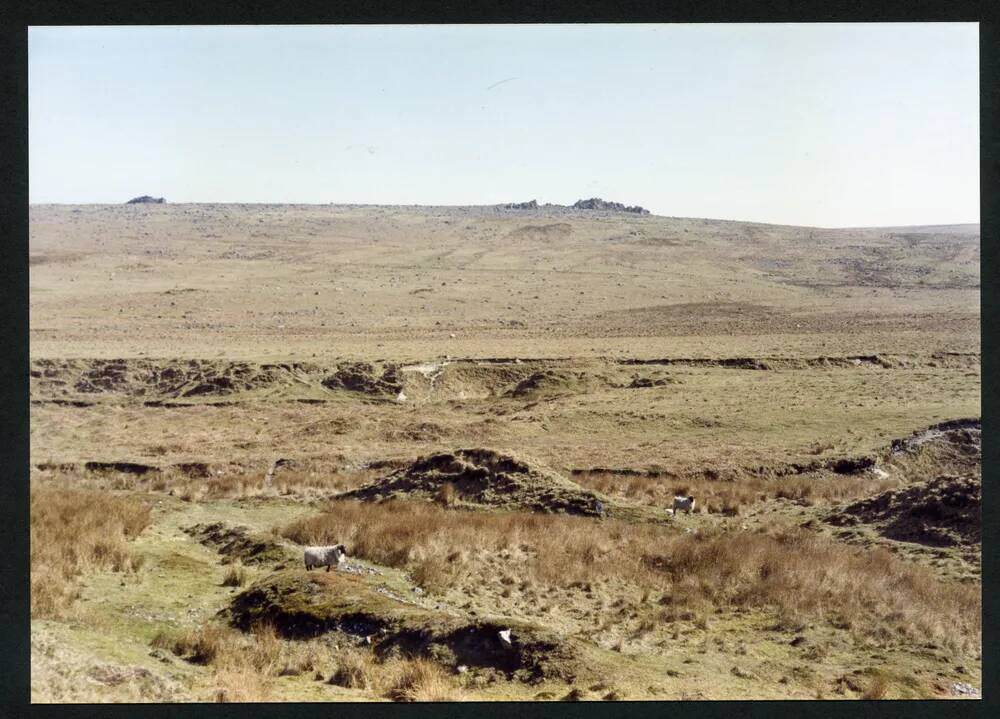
column 339, row 552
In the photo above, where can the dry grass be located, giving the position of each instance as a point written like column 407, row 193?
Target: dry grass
column 400, row 679
column 419, row 680
column 877, row 688
column 74, row 532
column 244, row 666
column 792, row 571
column 284, row 483
column 198, row 646
column 236, row 576
column 730, row 497
column 234, row 484
column 355, row 669
column 447, row 495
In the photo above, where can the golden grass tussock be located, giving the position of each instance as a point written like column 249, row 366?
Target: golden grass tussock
column 791, row 571
column 285, row 482
column 198, row 646
column 730, row 497
column 419, row 680
column 355, row 669
column 230, row 484
column 76, row 531
column 877, row 688
column 447, row 495
column 244, row 665
column 236, row 576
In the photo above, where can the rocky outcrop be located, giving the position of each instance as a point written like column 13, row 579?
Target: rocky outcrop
column 146, row 200
column 530, row 205
column 596, row 203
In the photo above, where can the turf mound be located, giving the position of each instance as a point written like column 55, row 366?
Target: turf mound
column 238, row 543
column 943, row 512
column 365, row 378
column 487, row 478
column 194, row 381
column 160, row 379
column 551, row 382
column 462, row 380
column 302, row 605
column 953, row 447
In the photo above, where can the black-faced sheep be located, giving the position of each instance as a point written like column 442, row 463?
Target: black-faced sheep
column 685, row 503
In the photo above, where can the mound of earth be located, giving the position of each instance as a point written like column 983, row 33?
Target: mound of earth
column 363, row 377
column 596, row 203
column 551, row 381
column 159, row 379
column 486, row 478
column 639, row 382
column 146, row 200
column 943, row 512
column 964, row 435
column 238, row 543
column 300, row 604
column 947, row 448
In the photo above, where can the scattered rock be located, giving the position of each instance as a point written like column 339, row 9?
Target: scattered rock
column 963, row 689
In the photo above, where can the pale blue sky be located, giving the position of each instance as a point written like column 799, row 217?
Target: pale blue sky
column 829, row 125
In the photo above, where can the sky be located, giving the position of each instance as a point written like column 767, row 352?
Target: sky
column 829, row 125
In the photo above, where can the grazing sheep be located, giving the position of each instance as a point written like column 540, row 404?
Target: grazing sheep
column 685, row 503
column 319, row 556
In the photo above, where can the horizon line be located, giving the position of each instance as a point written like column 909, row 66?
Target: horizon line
column 501, row 204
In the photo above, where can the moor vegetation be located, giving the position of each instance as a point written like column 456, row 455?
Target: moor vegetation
column 77, row 531
column 790, row 570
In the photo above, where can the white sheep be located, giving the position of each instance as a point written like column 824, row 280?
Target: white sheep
column 319, row 556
